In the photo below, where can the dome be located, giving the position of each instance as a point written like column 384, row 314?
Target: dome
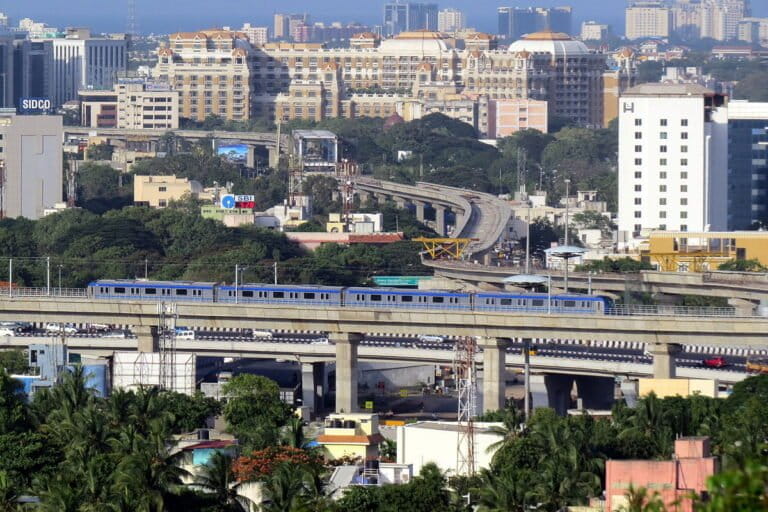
column 554, row 43
column 415, row 43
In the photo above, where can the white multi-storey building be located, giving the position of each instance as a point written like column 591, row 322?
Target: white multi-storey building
column 451, row 20
column 82, row 63
column 647, row 19
column 673, row 159
column 594, row 31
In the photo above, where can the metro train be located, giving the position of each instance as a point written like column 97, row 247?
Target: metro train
column 313, row 295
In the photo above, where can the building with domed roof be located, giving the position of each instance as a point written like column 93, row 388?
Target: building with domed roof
column 284, row 81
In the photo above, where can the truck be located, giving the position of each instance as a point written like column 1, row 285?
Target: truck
column 757, row 364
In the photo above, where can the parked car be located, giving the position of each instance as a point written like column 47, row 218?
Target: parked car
column 185, row 334
column 262, row 334
column 715, row 362
column 321, row 341
column 5, row 331
column 58, row 328
column 428, row 338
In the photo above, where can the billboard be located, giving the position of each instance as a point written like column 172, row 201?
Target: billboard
column 235, row 153
column 31, row 106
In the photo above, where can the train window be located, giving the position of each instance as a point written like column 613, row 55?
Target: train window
column 569, row 303
column 180, row 291
column 119, row 289
column 506, row 302
column 406, row 298
column 247, row 293
column 438, row 300
column 150, row 291
column 375, row 298
column 537, row 302
column 278, row 295
column 309, row 295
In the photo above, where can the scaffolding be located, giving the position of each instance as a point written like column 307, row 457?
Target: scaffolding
column 166, row 330
column 445, row 248
column 466, row 386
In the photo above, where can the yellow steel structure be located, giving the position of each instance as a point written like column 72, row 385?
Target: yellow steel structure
column 684, row 251
column 439, row 248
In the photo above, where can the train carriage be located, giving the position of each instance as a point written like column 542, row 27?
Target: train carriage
column 310, row 295
column 411, row 299
column 134, row 289
column 539, row 302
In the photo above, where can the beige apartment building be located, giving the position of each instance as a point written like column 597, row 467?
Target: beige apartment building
column 221, row 73
column 158, row 191
column 647, row 19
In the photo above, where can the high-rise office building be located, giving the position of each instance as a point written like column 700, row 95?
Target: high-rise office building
column 648, row 19
column 673, row 147
column 408, row 16
column 285, row 24
column 256, row 35
column 747, row 164
column 6, row 70
column 451, row 20
column 515, row 22
column 594, row 31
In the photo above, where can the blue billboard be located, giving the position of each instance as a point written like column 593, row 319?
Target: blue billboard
column 235, row 153
column 30, row 106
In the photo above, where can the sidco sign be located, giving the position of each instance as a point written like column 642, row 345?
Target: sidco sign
column 35, row 105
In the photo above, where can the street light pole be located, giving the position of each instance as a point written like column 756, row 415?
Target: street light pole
column 274, row 266
column 237, row 271
column 48, row 276
column 60, row 279
column 10, row 277
column 527, row 367
column 567, row 209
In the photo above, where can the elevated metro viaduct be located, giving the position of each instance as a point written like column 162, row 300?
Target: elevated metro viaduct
column 346, row 327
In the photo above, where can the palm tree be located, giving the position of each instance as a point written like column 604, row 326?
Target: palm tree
column 512, row 428
column 218, row 479
column 388, row 450
column 8, row 494
column 502, row 492
column 287, row 489
column 293, row 433
column 640, row 500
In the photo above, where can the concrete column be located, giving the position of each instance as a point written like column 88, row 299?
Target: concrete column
column 147, row 337
column 559, row 389
column 313, row 386
column 346, row 370
column 365, row 197
column 401, row 202
column 380, row 198
column 420, row 210
column 596, row 392
column 440, row 220
column 274, row 157
column 494, row 372
column 664, row 359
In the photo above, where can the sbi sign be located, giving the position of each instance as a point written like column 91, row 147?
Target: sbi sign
column 35, row 105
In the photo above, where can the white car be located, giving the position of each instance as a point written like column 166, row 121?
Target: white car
column 5, row 331
column 426, row 338
column 114, row 334
column 321, row 341
column 262, row 334
column 185, row 335
column 58, row 328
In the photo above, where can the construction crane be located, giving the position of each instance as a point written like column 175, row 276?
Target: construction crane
column 465, row 373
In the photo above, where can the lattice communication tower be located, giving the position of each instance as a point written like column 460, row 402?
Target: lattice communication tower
column 466, row 386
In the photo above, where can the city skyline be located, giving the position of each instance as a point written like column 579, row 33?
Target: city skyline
column 162, row 17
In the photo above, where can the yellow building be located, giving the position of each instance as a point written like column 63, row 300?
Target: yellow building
column 158, row 191
column 664, row 388
column 684, row 251
column 351, row 435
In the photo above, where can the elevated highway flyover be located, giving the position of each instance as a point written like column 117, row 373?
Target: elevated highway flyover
column 481, row 217
column 346, row 327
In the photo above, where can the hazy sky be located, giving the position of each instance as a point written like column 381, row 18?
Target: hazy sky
column 174, row 15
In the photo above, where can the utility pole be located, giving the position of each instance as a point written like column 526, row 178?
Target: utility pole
column 274, row 267
column 567, row 209
column 237, row 271
column 48, row 276
column 146, row 268
column 10, row 277
column 60, row 265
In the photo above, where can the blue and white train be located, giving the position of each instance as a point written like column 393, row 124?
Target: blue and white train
column 313, row 295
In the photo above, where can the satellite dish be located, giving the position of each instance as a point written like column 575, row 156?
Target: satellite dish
column 228, row 201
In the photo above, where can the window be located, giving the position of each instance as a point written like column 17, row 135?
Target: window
column 376, row 298
column 247, row 293
column 638, row 122
column 638, row 149
column 438, row 300
column 309, row 295
column 181, row 291
column 638, row 200
column 278, row 295
column 663, row 135
column 406, row 298
column 662, row 214
column 162, row 203
column 506, row 302
column 638, row 215
column 663, row 227
column 663, row 201
column 683, row 162
column 663, row 149
column 683, row 227
column 162, row 189
column 638, row 161
column 683, row 149
column 663, row 175
column 683, row 122
column 663, row 122
column 638, row 135
column 683, row 188
column 638, row 227
column 684, row 201
column 150, row 291
column 119, row 289
column 683, row 215
column 662, row 188
column 683, row 175
column 663, row 161
column 638, row 188
column 684, row 135
column 638, row 175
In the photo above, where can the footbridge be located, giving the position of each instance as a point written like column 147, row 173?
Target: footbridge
column 478, row 216
column 347, row 326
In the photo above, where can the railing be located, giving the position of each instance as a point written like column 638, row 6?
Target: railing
column 44, row 292
column 661, row 310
